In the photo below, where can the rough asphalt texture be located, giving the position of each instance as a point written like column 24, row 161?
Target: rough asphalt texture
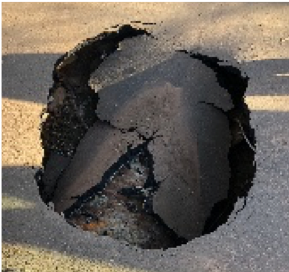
column 159, row 100
column 165, row 103
column 103, row 153
column 35, row 35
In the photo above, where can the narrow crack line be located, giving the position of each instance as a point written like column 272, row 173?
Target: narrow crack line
column 243, row 207
column 245, row 136
column 143, row 137
column 215, row 222
column 213, row 105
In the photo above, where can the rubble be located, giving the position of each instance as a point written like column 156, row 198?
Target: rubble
column 146, row 152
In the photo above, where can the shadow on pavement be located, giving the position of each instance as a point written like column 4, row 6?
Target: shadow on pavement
column 23, row 80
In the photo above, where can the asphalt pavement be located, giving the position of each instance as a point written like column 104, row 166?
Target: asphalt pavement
column 252, row 36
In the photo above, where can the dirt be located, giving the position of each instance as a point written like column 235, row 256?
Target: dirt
column 123, row 210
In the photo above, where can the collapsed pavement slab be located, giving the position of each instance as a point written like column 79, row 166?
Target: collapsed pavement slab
column 99, row 149
column 169, row 98
column 158, row 98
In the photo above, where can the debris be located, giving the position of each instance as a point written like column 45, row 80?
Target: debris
column 141, row 155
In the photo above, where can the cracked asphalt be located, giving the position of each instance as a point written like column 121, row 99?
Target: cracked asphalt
column 253, row 36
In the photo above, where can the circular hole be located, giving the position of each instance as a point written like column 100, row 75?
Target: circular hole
column 177, row 173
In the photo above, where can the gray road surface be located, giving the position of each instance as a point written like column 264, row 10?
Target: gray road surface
column 255, row 238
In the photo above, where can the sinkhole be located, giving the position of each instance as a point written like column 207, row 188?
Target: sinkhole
column 144, row 143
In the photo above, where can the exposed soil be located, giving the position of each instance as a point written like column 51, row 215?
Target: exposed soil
column 123, row 210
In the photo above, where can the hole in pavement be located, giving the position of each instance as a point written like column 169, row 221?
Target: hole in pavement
column 153, row 149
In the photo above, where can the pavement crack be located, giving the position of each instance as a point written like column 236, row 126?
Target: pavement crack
column 110, row 173
column 213, row 105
